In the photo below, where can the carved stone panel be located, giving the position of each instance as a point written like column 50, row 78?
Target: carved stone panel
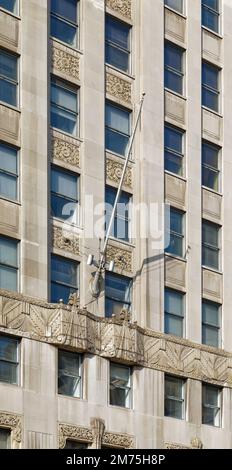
column 123, row 7
column 65, row 149
column 118, row 88
column 12, row 422
column 9, row 125
column 9, row 31
column 175, row 26
column 122, row 441
column 121, row 257
column 65, row 62
column 76, row 433
column 175, row 109
column 65, row 240
column 114, row 172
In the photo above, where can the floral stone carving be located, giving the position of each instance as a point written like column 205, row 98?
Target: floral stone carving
column 120, row 6
column 119, row 88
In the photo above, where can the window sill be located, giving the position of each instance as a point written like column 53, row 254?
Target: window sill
column 212, row 31
column 179, row 258
column 79, row 139
column 10, row 106
column 75, row 49
column 69, row 397
column 182, row 15
column 212, row 111
column 183, row 97
column 217, row 271
column 176, row 419
column 63, row 222
column 118, row 155
column 12, row 201
column 10, row 13
column 122, row 242
column 123, row 408
column 128, row 75
column 212, row 191
column 182, row 178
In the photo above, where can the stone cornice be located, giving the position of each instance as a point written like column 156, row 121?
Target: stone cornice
column 70, row 326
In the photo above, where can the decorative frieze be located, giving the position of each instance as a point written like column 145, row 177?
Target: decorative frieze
column 123, row 7
column 118, row 88
column 65, row 240
column 195, row 444
column 114, row 172
column 66, row 150
column 66, row 62
column 121, row 257
column 76, row 433
column 113, row 338
column 122, row 441
column 12, row 422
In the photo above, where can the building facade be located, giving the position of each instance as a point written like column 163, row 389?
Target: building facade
column 147, row 363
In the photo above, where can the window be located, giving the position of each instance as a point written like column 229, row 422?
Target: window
column 173, row 150
column 120, row 385
column 75, row 445
column 5, row 438
column 8, row 78
column 210, row 245
column 69, row 374
column 211, row 405
column 176, row 233
column 174, row 397
column 211, row 319
column 175, row 4
column 64, row 21
column 9, row 360
column 117, row 129
column 8, row 264
column 64, row 273
column 117, row 44
column 173, row 68
column 210, row 14
column 10, row 5
column 64, row 196
column 174, row 312
column 8, row 172
column 121, row 226
column 64, row 107
column 117, row 294
column 210, row 86
column 210, row 166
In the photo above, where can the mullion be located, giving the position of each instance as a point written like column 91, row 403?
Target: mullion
column 116, row 131
column 211, row 89
column 117, row 46
column 211, row 168
column 65, row 20
column 63, row 196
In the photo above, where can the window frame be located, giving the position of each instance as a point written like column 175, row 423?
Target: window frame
column 63, row 84
column 17, row 362
column 9, row 266
column 129, row 387
column 210, row 247
column 209, row 89
column 8, row 432
column 13, row 175
column 175, row 399
column 217, row 13
column 10, row 80
column 210, row 406
column 117, row 46
column 205, row 325
column 58, row 283
column 177, row 235
column 174, row 315
column 211, row 168
column 169, row 69
column 174, row 152
column 62, row 196
column 78, row 377
column 128, row 304
column 115, row 131
column 75, row 25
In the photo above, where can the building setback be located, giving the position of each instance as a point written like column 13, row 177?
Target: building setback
column 147, row 363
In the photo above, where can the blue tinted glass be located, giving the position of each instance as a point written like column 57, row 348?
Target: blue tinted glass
column 117, row 58
column 120, row 227
column 8, row 92
column 64, row 97
column 64, row 271
column 8, row 66
column 210, row 76
column 118, row 119
column 173, row 163
column 211, row 4
column 117, row 32
column 176, row 221
column 210, row 313
column 8, row 159
column 175, row 4
column 210, row 19
column 173, row 139
column 8, row 278
column 173, row 57
column 210, row 234
column 115, row 142
column 173, row 325
column 64, row 183
column 10, row 5
column 62, row 208
column 210, row 99
column 8, row 349
column 59, row 292
column 118, row 287
column 63, row 31
column 173, row 302
column 210, row 155
column 173, row 81
column 65, row 8
column 8, row 252
column 63, row 120
column 8, row 186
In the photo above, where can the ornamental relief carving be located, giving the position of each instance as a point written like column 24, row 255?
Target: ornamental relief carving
column 65, row 62
column 78, row 433
column 14, row 424
column 119, row 88
column 120, row 6
column 122, row 258
column 65, row 151
column 114, row 172
column 65, row 240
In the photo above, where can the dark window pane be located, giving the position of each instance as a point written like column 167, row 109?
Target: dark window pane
column 210, row 233
column 65, row 8
column 116, row 142
column 175, row 4
column 173, row 163
column 173, row 57
column 63, row 31
column 59, row 292
column 210, row 19
column 75, row 445
column 8, row 92
column 210, row 99
column 173, row 325
column 173, row 409
column 118, row 293
column 173, row 81
column 210, row 258
column 8, row 349
column 210, row 155
column 211, row 4
column 117, row 57
column 8, row 66
column 209, row 416
column 173, row 139
column 120, row 227
column 4, row 436
column 8, row 186
column 210, row 178
column 210, row 336
column 10, row 5
column 64, row 271
column 173, row 154
column 69, row 374
column 176, row 221
column 117, row 32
